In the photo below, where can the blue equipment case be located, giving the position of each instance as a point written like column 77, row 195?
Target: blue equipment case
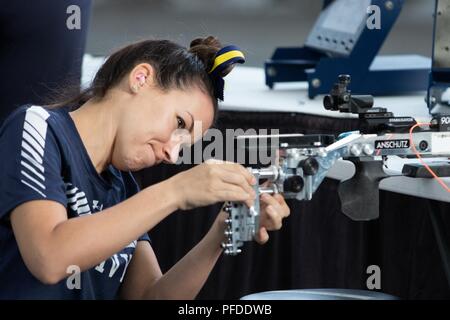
column 440, row 71
column 341, row 42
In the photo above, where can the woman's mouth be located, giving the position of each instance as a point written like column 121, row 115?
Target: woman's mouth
column 154, row 155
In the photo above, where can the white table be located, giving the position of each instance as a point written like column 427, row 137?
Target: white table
column 245, row 90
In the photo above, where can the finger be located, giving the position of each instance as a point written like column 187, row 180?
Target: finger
column 247, row 174
column 273, row 219
column 230, row 192
column 249, row 201
column 233, row 196
column 266, row 183
column 269, row 200
column 237, row 168
column 262, row 236
column 238, row 180
column 282, row 202
column 214, row 161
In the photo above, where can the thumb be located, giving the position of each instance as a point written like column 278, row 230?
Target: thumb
column 262, row 236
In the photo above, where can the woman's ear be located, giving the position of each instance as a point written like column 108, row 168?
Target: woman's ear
column 140, row 76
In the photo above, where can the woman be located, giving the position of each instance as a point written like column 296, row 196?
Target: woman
column 70, row 203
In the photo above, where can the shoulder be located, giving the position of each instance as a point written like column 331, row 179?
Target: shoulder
column 31, row 130
column 37, row 117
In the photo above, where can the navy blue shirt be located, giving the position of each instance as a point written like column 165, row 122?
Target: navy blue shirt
column 43, row 157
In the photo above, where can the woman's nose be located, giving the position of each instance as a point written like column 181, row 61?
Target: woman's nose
column 171, row 152
column 171, row 149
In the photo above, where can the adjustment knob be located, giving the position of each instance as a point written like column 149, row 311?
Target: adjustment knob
column 293, row 184
column 344, row 78
column 356, row 150
column 328, row 102
column 368, row 149
column 310, row 166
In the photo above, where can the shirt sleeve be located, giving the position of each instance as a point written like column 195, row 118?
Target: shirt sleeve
column 145, row 237
column 31, row 161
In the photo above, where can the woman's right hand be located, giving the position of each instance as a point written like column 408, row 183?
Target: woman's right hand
column 211, row 182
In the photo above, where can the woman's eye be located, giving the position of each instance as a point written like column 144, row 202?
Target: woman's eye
column 180, row 122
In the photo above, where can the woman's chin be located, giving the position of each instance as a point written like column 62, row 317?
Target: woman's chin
column 140, row 166
column 137, row 164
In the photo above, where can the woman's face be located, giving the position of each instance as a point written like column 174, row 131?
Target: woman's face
column 155, row 124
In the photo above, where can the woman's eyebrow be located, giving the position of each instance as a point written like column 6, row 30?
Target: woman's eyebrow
column 191, row 127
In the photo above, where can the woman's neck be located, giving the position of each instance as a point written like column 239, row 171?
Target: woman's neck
column 96, row 125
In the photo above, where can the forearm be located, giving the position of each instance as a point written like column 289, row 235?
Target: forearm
column 89, row 240
column 185, row 279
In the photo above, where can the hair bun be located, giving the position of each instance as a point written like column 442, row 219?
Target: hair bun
column 205, row 49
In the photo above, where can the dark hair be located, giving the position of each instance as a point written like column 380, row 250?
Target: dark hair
column 175, row 67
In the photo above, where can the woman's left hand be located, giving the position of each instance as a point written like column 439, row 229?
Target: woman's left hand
column 273, row 209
